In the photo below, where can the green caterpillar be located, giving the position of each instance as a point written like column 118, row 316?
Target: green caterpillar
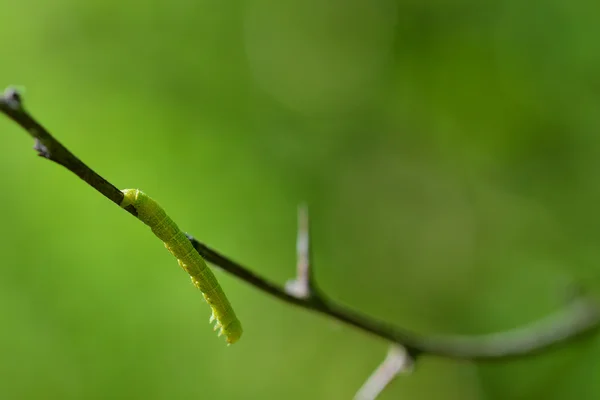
column 151, row 214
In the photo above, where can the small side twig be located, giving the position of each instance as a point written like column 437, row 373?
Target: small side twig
column 396, row 362
column 303, row 286
column 579, row 316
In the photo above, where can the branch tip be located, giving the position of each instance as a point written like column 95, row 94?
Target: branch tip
column 12, row 97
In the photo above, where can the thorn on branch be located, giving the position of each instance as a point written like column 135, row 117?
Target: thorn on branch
column 41, row 149
column 302, row 286
column 397, row 361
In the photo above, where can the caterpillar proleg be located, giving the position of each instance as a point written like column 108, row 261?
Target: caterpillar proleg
column 152, row 214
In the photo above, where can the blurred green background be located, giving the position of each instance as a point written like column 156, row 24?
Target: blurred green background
column 448, row 151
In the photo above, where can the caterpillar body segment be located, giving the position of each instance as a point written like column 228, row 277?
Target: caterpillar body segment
column 151, row 214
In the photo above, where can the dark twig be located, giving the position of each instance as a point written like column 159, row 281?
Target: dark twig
column 579, row 316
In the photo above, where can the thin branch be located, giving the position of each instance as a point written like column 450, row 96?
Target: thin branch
column 581, row 315
column 396, row 362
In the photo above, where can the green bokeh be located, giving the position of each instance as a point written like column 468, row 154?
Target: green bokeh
column 448, row 150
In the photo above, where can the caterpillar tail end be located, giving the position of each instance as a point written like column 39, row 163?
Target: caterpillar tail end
column 232, row 332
